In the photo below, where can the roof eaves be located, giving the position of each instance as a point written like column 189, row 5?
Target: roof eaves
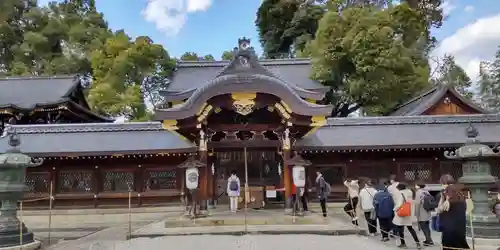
column 406, row 120
column 87, row 127
column 90, row 112
column 417, row 98
column 467, row 101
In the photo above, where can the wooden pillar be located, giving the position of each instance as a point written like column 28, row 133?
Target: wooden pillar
column 287, row 178
column 287, row 175
column 204, row 175
column 204, row 172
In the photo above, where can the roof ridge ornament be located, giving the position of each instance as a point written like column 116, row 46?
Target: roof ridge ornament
column 14, row 139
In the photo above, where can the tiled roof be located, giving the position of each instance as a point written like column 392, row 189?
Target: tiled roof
column 98, row 139
column 296, row 72
column 427, row 99
column 401, row 132
column 28, row 93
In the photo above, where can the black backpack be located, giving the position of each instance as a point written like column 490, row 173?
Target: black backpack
column 429, row 203
column 233, row 185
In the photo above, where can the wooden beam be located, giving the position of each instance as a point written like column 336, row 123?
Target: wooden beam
column 245, row 127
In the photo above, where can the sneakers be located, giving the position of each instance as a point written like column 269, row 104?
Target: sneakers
column 402, row 246
column 419, row 246
column 385, row 239
column 428, row 243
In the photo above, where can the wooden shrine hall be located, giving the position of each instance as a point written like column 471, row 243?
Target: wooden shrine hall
column 223, row 116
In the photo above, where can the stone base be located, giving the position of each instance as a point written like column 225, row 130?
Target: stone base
column 485, row 230
column 30, row 246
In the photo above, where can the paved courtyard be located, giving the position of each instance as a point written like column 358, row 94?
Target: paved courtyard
column 249, row 242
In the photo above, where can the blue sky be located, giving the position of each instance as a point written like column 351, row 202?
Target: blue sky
column 209, row 31
column 470, row 31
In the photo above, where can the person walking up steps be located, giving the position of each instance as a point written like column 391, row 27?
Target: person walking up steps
column 404, row 215
column 353, row 196
column 323, row 190
column 233, row 191
column 366, row 196
column 384, row 205
column 425, row 204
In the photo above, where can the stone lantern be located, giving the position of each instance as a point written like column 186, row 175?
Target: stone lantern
column 12, row 187
column 478, row 179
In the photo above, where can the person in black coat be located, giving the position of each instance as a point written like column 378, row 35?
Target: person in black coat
column 452, row 211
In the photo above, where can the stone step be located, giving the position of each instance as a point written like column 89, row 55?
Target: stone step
column 285, row 220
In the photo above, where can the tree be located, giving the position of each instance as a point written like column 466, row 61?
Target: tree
column 127, row 72
column 192, row 56
column 285, row 26
column 451, row 73
column 12, row 13
column 227, row 55
column 365, row 56
column 489, row 84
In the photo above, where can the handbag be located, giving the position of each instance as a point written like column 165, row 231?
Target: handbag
column 435, row 223
column 405, row 209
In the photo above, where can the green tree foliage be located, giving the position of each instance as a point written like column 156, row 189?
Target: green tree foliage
column 193, row 56
column 367, row 58
column 450, row 73
column 227, row 55
column 286, row 26
column 489, row 84
column 66, row 37
column 121, row 69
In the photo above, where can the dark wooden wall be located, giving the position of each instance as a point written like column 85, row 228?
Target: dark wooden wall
column 103, row 182
column 426, row 165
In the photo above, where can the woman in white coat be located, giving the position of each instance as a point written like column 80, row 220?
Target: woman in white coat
column 402, row 195
column 366, row 196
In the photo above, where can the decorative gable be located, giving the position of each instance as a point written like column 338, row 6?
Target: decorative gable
column 439, row 100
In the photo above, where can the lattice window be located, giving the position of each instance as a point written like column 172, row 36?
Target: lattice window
column 160, row 180
column 377, row 172
column 416, row 171
column 334, row 174
column 37, row 182
column 118, row 181
column 452, row 168
column 75, row 182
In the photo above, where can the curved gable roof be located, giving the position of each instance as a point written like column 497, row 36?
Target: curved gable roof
column 426, row 100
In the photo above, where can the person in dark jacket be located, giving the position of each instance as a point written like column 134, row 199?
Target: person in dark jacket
column 322, row 190
column 452, row 211
column 384, row 208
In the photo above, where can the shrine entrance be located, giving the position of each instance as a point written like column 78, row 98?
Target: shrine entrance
column 262, row 174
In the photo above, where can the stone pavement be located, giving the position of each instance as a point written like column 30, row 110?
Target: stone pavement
column 77, row 223
column 251, row 222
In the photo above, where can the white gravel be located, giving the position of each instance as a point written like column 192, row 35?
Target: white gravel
column 252, row 242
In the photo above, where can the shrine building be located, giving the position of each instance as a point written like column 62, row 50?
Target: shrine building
column 215, row 112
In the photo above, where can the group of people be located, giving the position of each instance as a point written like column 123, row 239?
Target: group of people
column 396, row 207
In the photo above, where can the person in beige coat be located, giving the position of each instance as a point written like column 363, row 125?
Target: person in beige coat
column 402, row 195
column 423, row 216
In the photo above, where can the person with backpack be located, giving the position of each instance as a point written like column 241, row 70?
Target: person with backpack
column 323, row 190
column 366, row 196
column 404, row 214
column 233, row 191
column 384, row 208
column 425, row 204
column 353, row 197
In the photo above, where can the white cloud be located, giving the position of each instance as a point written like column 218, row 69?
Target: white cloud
column 448, row 7
column 469, row 8
column 169, row 16
column 477, row 41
